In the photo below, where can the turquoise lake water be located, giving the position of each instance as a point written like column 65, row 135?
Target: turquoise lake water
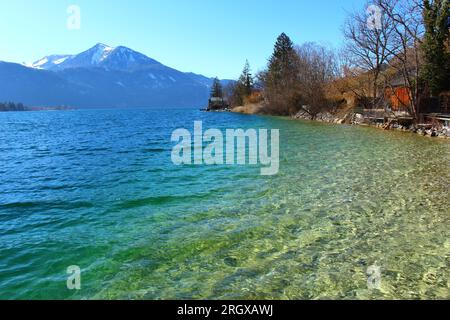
column 97, row 189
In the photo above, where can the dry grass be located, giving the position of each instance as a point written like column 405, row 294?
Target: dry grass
column 248, row 109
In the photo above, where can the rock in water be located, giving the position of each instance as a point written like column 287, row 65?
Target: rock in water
column 229, row 261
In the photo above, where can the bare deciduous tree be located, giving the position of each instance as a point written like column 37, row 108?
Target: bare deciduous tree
column 317, row 69
column 370, row 44
column 405, row 17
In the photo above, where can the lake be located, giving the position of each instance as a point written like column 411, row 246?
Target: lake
column 97, row 189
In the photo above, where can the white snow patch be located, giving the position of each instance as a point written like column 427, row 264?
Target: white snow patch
column 40, row 62
column 59, row 61
column 101, row 54
column 49, row 60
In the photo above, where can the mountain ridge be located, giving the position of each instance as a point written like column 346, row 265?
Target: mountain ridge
column 102, row 76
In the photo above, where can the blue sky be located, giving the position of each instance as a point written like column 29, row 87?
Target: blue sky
column 211, row 37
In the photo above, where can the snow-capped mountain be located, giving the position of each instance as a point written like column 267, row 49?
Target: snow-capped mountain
column 102, row 76
column 50, row 62
column 123, row 58
column 89, row 58
column 101, row 55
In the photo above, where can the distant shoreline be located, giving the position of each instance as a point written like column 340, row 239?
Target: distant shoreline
column 38, row 109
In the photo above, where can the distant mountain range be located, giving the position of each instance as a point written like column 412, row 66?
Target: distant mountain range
column 102, row 76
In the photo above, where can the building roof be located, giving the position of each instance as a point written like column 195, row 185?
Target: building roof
column 217, row 99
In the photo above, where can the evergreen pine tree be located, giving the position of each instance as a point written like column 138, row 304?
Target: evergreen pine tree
column 436, row 69
column 244, row 86
column 216, row 89
column 280, row 80
column 282, row 59
column 246, row 80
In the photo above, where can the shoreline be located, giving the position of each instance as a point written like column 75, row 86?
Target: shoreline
column 354, row 118
column 393, row 124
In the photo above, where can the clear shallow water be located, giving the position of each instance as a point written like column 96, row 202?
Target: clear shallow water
column 96, row 188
